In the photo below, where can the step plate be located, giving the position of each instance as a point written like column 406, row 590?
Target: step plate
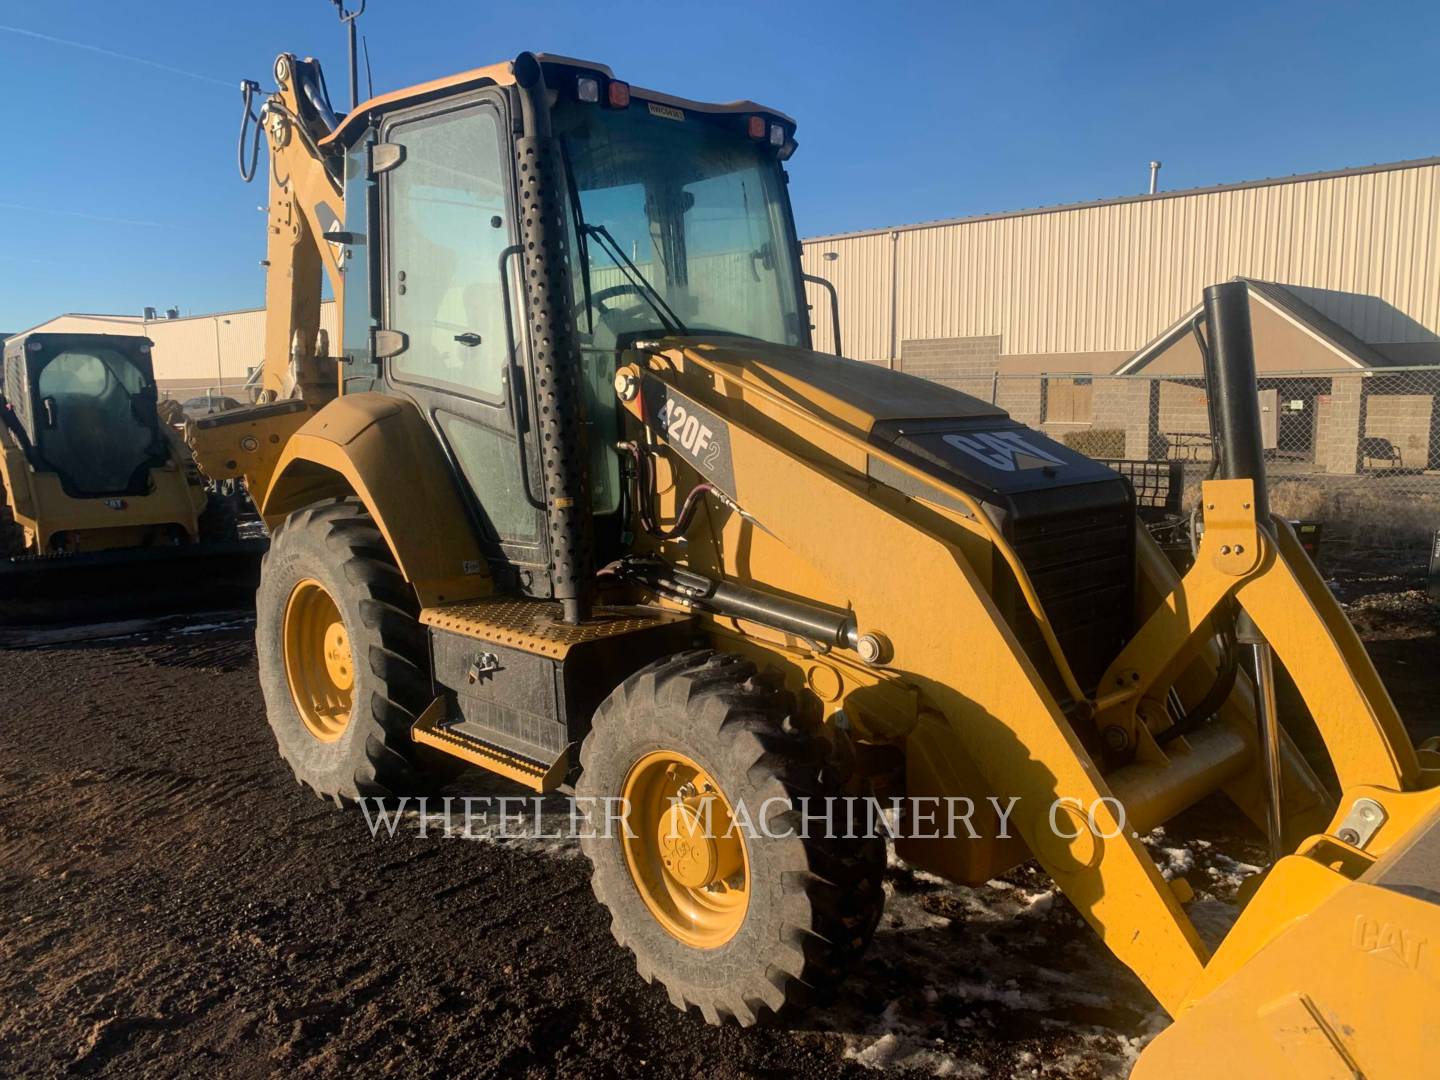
column 431, row 729
column 535, row 626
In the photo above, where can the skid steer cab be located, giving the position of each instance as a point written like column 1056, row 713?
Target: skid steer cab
column 87, row 465
column 576, row 502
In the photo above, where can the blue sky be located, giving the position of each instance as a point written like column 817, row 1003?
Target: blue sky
column 120, row 188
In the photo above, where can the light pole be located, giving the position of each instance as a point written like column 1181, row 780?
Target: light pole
column 219, row 367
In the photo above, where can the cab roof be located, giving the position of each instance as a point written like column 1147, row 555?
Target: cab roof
column 503, row 74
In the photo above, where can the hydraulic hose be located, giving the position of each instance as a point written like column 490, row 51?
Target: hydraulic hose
column 1219, row 692
column 248, row 89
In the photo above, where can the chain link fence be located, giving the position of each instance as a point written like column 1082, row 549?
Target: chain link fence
column 201, row 399
column 1358, row 450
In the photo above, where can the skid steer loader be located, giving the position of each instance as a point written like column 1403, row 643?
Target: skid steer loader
column 102, row 510
column 574, row 480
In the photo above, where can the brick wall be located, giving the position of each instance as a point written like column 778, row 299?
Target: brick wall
column 1402, row 421
column 1337, row 438
column 1183, row 408
column 967, row 364
column 1022, row 399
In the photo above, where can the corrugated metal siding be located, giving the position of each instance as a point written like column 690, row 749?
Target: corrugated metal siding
column 861, row 274
column 1362, row 248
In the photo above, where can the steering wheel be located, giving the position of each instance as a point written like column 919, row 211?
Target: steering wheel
column 617, row 320
column 610, row 292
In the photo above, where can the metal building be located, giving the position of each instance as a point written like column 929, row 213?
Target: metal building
column 1085, row 288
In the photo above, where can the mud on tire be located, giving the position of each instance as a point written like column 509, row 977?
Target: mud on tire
column 814, row 903
column 337, row 544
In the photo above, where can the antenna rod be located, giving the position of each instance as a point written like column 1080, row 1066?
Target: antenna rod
column 348, row 18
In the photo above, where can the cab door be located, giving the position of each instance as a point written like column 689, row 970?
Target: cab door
column 447, row 207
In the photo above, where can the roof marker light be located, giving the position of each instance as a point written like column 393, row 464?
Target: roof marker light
column 619, row 95
column 777, row 135
column 587, row 90
column 757, row 127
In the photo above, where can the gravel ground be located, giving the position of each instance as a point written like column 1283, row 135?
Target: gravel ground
column 172, row 903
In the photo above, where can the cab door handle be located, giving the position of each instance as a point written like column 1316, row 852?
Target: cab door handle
column 468, row 339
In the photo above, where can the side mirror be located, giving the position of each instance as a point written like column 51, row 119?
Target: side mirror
column 52, row 413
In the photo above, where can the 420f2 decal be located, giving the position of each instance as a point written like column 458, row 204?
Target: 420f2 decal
column 699, row 434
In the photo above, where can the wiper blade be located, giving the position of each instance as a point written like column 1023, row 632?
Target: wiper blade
column 581, row 235
column 642, row 284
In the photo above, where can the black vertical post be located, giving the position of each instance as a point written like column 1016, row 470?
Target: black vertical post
column 1235, row 409
column 1230, row 382
column 348, row 18
column 354, row 74
column 554, row 346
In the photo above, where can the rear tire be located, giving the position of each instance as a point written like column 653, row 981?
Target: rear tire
column 342, row 722
column 220, row 520
column 813, row 903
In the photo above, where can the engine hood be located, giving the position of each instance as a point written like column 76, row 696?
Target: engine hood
column 1068, row 518
column 852, row 393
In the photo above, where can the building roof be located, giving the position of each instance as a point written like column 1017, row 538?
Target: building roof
column 140, row 319
column 1282, row 300
column 1059, row 208
column 1319, row 324
column 72, row 315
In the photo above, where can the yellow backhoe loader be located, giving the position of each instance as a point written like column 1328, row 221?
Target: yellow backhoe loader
column 573, row 499
column 102, row 510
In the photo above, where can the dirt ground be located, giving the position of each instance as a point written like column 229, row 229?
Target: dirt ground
column 171, row 904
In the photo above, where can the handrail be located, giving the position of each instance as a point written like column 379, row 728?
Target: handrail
column 1022, row 578
column 829, row 286
column 515, row 380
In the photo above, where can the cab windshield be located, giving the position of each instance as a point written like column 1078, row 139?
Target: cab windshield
column 695, row 209
column 99, row 430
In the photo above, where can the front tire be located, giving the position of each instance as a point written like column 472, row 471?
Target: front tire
column 734, row 932
column 341, row 653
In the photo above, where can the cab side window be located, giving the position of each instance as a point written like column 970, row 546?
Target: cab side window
column 447, row 228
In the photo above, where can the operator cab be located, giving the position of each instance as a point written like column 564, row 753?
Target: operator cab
column 676, row 221
column 83, row 407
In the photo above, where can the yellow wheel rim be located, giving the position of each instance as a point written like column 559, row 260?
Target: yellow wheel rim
column 318, row 663
column 685, row 855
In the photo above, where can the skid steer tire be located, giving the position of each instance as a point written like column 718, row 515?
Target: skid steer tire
column 813, row 903
column 334, row 548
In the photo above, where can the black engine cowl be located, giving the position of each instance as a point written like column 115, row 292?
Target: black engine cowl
column 1070, row 520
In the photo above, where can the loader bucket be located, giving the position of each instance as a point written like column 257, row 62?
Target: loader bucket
column 1322, row 975
column 128, row 582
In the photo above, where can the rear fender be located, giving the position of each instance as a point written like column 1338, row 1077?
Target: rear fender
column 381, row 450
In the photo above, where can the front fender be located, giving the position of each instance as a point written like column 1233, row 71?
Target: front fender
column 381, row 450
